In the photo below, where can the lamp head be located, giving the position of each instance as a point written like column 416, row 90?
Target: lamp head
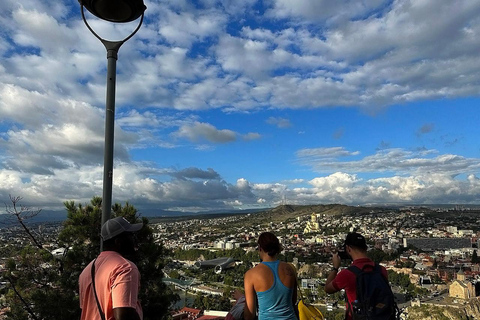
column 115, row 10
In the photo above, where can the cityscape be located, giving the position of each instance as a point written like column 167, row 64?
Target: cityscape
column 220, row 120
column 434, row 250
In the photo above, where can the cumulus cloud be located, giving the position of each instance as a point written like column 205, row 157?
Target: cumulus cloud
column 198, row 189
column 61, row 133
column 200, row 131
column 195, row 173
column 204, row 131
column 362, row 55
column 324, row 153
column 422, row 189
column 281, row 123
column 185, row 27
column 388, row 160
column 320, row 11
column 252, row 136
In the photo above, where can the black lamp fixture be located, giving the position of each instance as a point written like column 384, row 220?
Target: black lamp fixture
column 115, row 10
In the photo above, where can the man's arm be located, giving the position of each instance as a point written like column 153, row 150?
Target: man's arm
column 125, row 293
column 329, row 288
column 125, row 314
column 250, row 303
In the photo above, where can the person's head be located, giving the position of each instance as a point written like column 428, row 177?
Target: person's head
column 355, row 245
column 119, row 235
column 269, row 244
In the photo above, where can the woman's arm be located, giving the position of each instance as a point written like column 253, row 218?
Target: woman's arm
column 250, row 303
column 293, row 273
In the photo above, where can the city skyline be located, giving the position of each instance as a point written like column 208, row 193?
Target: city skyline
column 245, row 104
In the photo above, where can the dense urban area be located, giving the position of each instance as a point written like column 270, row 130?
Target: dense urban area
column 430, row 254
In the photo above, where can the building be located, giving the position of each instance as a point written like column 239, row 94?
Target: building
column 186, row 314
column 460, row 288
column 432, row 244
column 312, row 225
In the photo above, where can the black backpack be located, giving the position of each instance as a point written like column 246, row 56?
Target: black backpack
column 375, row 299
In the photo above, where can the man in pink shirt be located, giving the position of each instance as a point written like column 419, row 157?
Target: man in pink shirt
column 114, row 292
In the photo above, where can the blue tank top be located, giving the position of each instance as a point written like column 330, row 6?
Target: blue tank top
column 276, row 302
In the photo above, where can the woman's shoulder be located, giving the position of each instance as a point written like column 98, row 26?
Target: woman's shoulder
column 287, row 265
column 256, row 269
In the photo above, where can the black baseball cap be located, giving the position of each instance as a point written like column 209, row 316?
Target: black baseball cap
column 356, row 240
column 118, row 225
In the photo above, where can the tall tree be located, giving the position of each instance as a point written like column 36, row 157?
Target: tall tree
column 475, row 257
column 35, row 290
column 155, row 296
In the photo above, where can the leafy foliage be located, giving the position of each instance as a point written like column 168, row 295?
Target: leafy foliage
column 207, row 302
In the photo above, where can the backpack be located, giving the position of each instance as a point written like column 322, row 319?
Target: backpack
column 375, row 299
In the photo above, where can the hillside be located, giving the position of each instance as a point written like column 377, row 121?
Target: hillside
column 287, row 212
column 431, row 312
column 279, row 214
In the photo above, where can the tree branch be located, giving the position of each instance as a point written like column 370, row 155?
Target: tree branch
column 27, row 307
column 22, row 214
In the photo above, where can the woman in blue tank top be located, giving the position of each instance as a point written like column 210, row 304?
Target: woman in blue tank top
column 272, row 283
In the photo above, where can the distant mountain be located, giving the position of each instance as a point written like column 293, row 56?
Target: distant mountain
column 43, row 216
column 152, row 215
column 208, row 215
column 277, row 214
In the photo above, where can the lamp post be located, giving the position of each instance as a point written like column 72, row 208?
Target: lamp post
column 118, row 11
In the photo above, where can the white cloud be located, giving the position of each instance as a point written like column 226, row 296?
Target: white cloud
column 250, row 57
column 200, row 131
column 388, row 160
column 235, row 203
column 40, row 30
column 315, row 154
column 321, row 10
column 184, row 28
column 281, row 123
column 252, row 136
column 233, row 7
column 204, row 131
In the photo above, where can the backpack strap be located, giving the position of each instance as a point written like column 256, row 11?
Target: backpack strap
column 377, row 268
column 356, row 270
column 102, row 315
column 349, row 311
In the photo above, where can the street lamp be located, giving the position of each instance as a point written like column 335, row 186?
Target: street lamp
column 112, row 11
column 115, row 10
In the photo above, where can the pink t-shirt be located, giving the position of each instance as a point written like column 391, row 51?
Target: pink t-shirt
column 117, row 282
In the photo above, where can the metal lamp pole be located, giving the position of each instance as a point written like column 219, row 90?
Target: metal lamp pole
column 113, row 11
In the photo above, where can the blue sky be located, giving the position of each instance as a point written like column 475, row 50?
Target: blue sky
column 225, row 105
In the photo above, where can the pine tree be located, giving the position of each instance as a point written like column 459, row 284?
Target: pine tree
column 475, row 257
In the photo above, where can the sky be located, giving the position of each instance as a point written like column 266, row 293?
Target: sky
column 226, row 105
